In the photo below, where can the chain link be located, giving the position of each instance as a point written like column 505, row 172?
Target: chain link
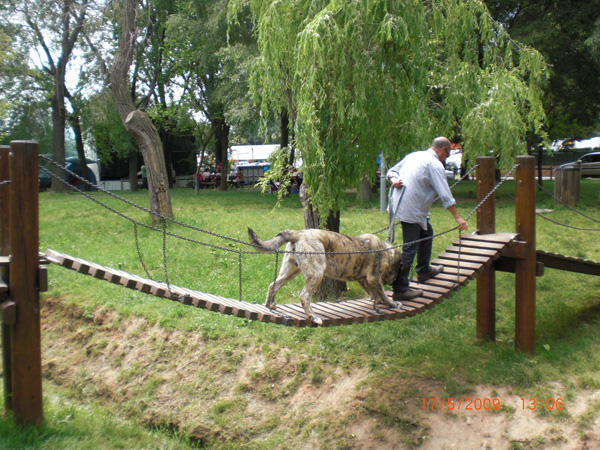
column 2, row 183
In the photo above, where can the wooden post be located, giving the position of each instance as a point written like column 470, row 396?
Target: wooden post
column 24, row 263
column 525, row 268
column 5, row 251
column 567, row 184
column 486, row 224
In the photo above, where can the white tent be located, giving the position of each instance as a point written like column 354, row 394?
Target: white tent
column 588, row 143
column 244, row 154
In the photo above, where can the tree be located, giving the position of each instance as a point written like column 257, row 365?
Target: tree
column 213, row 59
column 55, row 27
column 566, row 33
column 363, row 78
column 136, row 122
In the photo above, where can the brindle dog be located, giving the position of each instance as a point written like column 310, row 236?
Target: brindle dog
column 307, row 254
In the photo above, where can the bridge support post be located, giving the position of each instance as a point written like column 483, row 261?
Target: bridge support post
column 5, row 251
column 23, row 283
column 525, row 267
column 486, row 224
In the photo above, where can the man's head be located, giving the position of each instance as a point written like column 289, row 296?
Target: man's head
column 441, row 146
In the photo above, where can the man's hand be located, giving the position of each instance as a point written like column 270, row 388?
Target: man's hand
column 397, row 183
column 462, row 224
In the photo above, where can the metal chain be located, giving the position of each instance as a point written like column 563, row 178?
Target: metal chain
column 489, row 194
column 137, row 247
column 2, row 183
column 465, row 176
column 569, row 206
column 560, row 224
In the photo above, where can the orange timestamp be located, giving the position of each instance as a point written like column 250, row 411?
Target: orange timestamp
column 549, row 404
column 465, row 404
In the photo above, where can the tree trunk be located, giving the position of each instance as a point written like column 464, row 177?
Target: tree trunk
column 133, row 170
column 85, row 171
column 59, row 117
column 364, row 189
column 329, row 289
column 137, row 123
column 221, row 147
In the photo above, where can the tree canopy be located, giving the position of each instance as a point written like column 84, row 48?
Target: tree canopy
column 368, row 77
column 567, row 33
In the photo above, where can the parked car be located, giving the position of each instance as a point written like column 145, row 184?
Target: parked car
column 590, row 165
column 453, row 163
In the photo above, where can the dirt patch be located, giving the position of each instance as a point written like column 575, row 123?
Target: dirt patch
column 251, row 396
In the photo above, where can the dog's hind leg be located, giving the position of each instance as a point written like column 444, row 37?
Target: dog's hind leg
column 289, row 270
column 309, row 289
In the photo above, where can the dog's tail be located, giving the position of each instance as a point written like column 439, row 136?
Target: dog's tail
column 269, row 245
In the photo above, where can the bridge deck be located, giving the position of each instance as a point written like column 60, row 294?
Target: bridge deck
column 462, row 261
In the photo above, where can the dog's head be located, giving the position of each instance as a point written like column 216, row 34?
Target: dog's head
column 396, row 264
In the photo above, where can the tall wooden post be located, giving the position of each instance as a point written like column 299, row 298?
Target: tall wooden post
column 5, row 251
column 525, row 268
column 24, row 263
column 486, row 224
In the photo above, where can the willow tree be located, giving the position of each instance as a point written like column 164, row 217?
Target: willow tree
column 364, row 77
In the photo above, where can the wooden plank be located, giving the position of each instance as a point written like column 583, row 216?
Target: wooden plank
column 502, row 238
column 464, row 257
column 347, row 312
column 4, row 260
column 469, row 250
column 296, row 313
column 462, row 279
column 456, row 263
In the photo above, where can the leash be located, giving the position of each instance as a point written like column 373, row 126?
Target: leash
column 391, row 229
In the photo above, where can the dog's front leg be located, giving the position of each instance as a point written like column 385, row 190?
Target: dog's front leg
column 379, row 296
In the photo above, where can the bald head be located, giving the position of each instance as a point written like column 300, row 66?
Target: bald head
column 441, row 143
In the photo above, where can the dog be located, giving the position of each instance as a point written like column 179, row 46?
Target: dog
column 306, row 253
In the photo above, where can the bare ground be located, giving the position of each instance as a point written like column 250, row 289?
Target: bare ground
column 252, row 397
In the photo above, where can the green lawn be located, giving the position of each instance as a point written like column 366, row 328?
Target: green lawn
column 436, row 347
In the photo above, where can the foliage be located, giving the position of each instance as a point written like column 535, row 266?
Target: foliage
column 109, row 134
column 213, row 62
column 363, row 78
column 566, row 33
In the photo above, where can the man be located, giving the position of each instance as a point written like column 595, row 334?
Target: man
column 422, row 177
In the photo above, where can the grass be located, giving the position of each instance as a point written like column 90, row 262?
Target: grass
column 436, row 350
column 69, row 425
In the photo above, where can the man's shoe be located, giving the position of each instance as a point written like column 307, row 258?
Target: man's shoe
column 422, row 277
column 407, row 295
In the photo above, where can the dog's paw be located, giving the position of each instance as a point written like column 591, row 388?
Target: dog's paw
column 271, row 305
column 316, row 319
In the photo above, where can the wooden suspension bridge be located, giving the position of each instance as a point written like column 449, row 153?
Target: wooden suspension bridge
column 462, row 262
column 476, row 256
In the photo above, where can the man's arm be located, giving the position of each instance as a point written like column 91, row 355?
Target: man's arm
column 462, row 224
